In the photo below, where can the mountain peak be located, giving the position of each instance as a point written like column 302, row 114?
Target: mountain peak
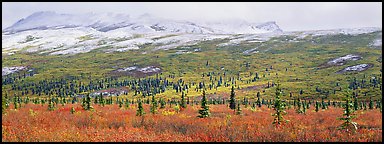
column 40, row 13
column 145, row 15
column 143, row 23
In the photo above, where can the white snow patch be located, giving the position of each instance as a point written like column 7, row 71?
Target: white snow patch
column 345, row 31
column 149, row 69
column 340, row 60
column 9, row 70
column 252, row 38
column 251, row 51
column 182, row 52
column 127, row 69
column 359, row 67
column 377, row 43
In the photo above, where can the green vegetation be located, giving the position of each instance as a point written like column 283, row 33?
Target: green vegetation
column 279, row 107
column 348, row 113
column 140, row 110
column 204, row 111
column 295, row 64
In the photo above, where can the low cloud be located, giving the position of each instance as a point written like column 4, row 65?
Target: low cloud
column 289, row 16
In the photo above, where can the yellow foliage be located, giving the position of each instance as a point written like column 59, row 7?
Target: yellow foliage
column 166, row 113
column 32, row 113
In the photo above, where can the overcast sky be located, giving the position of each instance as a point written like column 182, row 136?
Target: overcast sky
column 289, row 16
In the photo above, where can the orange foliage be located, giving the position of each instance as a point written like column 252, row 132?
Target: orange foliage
column 33, row 123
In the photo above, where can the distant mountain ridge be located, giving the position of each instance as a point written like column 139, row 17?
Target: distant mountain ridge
column 61, row 34
column 143, row 24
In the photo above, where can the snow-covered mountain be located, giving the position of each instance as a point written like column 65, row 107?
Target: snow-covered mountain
column 143, row 24
column 54, row 34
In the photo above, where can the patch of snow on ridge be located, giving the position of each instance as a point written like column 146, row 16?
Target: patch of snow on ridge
column 377, row 43
column 340, row 60
column 345, row 31
column 356, row 68
column 149, row 69
column 9, row 70
column 359, row 67
column 128, row 69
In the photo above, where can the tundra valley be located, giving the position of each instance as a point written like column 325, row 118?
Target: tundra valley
column 115, row 77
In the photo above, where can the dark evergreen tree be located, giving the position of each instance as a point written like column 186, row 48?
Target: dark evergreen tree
column 87, row 103
column 127, row 103
column 140, row 110
column 238, row 110
column 348, row 114
column 298, row 110
column 279, row 107
column 317, row 106
column 15, row 102
column 183, row 104
column 204, row 111
column 370, row 103
column 73, row 110
column 153, row 105
column 6, row 100
column 258, row 102
column 162, row 103
column 120, row 102
column 232, row 99
column 323, row 105
column 102, row 100
column 51, row 106
column 355, row 103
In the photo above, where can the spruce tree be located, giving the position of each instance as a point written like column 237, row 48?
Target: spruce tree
column 153, row 105
column 355, row 103
column 140, row 110
column 51, row 106
column 348, row 113
column 120, row 103
column 232, row 99
column 365, row 106
column 6, row 100
column 73, row 100
column 62, row 102
column 27, row 100
column 323, row 105
column 238, row 110
column 96, row 101
column 83, row 102
column 253, row 105
column 370, row 103
column 87, row 103
column 73, row 110
column 15, row 102
column 279, row 107
column 317, row 106
column 298, row 110
column 204, row 111
column 162, row 103
column 258, row 102
column 126, row 103
column 183, row 104
column 19, row 101
column 102, row 100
